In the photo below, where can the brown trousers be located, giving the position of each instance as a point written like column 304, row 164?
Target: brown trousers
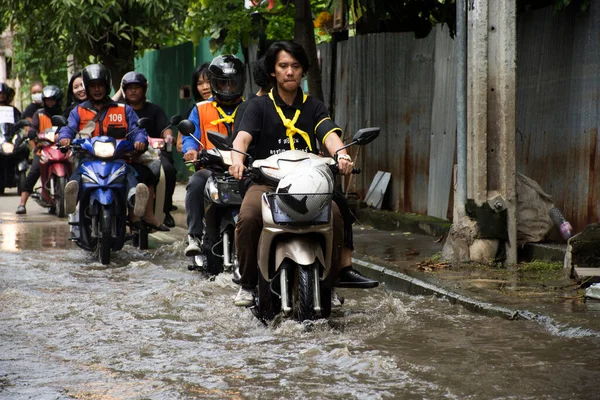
column 249, row 227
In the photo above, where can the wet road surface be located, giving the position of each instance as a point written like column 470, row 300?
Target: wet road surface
column 145, row 327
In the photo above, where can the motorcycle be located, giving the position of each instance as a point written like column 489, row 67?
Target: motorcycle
column 14, row 154
column 222, row 201
column 295, row 245
column 55, row 170
column 103, row 204
column 156, row 146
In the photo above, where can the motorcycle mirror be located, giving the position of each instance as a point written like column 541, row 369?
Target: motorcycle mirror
column 175, row 119
column 221, row 142
column 143, row 122
column 186, row 127
column 366, row 135
column 22, row 124
column 218, row 140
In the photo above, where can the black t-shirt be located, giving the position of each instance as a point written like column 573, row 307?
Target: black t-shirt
column 30, row 110
column 264, row 124
column 158, row 119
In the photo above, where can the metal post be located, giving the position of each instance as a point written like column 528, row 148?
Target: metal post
column 461, row 101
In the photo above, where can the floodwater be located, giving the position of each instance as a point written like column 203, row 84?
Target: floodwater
column 145, row 327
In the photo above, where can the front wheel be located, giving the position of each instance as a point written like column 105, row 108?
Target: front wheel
column 303, row 305
column 105, row 245
column 59, row 182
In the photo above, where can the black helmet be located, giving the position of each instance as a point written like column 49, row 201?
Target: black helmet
column 134, row 77
column 227, row 77
column 52, row 91
column 10, row 92
column 96, row 72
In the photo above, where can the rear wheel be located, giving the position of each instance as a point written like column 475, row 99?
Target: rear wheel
column 303, row 293
column 105, row 231
column 59, row 183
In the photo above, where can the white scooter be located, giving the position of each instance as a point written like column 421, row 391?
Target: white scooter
column 295, row 245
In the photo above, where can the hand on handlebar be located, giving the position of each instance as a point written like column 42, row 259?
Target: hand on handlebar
column 65, row 142
column 139, row 147
column 237, row 171
column 345, row 166
column 191, row 155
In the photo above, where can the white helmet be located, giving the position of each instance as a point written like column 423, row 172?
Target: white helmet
column 305, row 193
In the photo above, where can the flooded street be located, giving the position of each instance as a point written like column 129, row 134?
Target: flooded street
column 145, row 327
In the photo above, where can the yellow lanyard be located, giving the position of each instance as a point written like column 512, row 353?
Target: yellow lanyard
column 228, row 119
column 291, row 130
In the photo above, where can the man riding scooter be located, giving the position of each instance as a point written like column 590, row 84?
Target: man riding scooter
column 288, row 119
column 100, row 116
column 227, row 80
column 134, row 87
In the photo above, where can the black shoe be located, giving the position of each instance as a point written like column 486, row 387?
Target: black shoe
column 351, row 278
column 174, row 208
column 159, row 228
column 169, row 221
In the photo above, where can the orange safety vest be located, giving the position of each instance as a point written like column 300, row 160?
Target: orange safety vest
column 208, row 113
column 45, row 122
column 114, row 118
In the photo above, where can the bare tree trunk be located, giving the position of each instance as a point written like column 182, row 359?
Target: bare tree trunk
column 305, row 35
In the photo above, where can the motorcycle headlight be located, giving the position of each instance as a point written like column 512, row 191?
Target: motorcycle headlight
column 104, row 149
column 8, row 147
column 213, row 191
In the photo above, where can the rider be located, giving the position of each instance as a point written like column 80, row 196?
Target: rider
column 227, row 80
column 307, row 125
column 7, row 95
column 134, row 86
column 51, row 101
column 99, row 116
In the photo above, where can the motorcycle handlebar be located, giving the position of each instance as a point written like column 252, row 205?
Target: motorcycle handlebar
column 335, row 170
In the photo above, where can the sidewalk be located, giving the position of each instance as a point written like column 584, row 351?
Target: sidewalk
column 402, row 252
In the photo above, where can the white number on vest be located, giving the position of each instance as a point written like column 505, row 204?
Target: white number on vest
column 115, row 117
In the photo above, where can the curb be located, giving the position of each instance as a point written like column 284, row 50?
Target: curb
column 404, row 283
column 394, row 221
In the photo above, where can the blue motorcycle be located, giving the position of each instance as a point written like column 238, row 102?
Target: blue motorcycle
column 102, row 196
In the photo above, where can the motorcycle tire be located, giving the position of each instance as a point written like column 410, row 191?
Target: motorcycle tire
column 21, row 182
column 214, row 263
column 302, row 294
column 59, row 183
column 105, row 240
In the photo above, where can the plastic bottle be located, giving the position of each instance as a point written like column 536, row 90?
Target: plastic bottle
column 566, row 230
column 169, row 143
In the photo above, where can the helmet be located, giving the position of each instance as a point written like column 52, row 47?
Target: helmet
column 305, row 193
column 96, row 72
column 10, row 92
column 52, row 91
column 134, row 77
column 227, row 77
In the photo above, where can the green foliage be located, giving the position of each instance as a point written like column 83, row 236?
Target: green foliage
column 111, row 31
column 228, row 23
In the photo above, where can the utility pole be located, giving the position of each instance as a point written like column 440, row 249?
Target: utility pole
column 490, row 139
